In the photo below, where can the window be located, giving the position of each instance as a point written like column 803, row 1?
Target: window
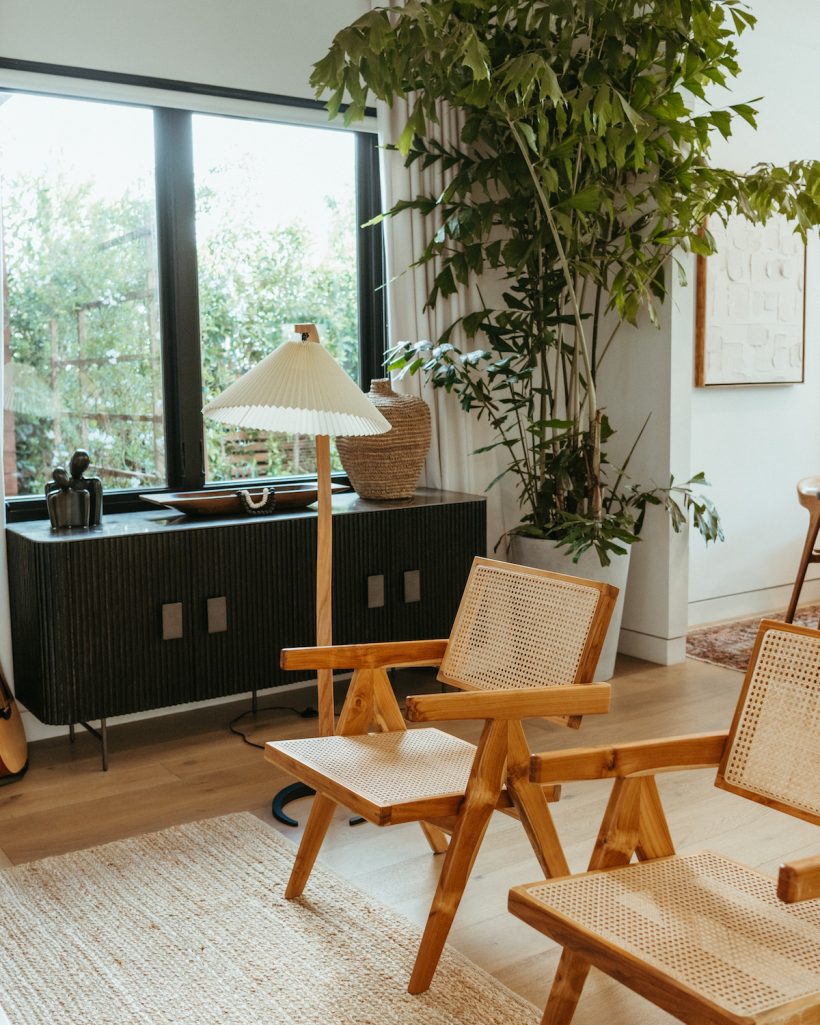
column 276, row 245
column 153, row 255
column 81, row 338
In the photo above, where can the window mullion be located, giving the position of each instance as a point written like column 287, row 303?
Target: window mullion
column 370, row 257
column 179, row 298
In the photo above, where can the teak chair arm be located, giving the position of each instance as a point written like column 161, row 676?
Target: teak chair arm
column 392, row 654
column 642, row 758
column 799, row 880
column 583, row 699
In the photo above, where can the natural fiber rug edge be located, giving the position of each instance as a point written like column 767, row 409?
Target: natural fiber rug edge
column 153, row 938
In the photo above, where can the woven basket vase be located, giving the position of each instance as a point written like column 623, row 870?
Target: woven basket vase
column 389, row 465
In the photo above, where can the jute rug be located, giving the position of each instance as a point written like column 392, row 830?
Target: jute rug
column 189, row 927
column 730, row 644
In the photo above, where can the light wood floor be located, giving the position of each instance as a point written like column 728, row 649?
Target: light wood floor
column 186, row 767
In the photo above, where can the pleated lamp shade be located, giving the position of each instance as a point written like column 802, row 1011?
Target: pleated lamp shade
column 298, row 389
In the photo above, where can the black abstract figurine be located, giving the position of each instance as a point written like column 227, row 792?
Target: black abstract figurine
column 75, row 500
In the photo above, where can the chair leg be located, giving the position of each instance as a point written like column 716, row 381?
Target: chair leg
column 321, row 814
column 479, row 803
column 805, row 559
column 566, row 989
column 531, row 802
column 436, row 837
column 455, row 872
column 537, row 821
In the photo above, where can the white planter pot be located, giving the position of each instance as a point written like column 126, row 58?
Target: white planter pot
column 541, row 554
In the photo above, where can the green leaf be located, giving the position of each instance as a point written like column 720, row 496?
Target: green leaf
column 529, row 136
column 722, row 120
column 476, row 58
column 746, row 111
column 632, row 115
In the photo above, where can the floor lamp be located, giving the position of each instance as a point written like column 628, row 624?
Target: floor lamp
column 301, row 389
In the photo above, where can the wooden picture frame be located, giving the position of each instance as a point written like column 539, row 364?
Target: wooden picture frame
column 750, row 306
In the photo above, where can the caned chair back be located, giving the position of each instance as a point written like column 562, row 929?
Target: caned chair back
column 772, row 754
column 519, row 627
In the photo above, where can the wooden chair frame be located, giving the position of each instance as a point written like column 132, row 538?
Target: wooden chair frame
column 808, row 495
column 634, row 825
column 499, row 777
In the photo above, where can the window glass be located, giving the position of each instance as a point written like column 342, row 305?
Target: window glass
column 81, row 341
column 276, row 246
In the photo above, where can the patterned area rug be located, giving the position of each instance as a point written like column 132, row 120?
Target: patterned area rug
column 190, row 927
column 730, row 644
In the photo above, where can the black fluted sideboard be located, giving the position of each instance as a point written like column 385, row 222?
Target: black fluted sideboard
column 153, row 609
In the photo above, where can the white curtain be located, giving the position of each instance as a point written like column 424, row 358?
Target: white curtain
column 456, row 433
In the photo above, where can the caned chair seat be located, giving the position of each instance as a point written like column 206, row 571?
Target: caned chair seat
column 385, row 774
column 704, row 923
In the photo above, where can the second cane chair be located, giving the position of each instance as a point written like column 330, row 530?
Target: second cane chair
column 525, row 642
column 702, row 936
column 808, row 495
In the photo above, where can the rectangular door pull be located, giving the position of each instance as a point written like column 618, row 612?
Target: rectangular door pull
column 375, row 592
column 217, row 615
column 412, row 586
column 172, row 621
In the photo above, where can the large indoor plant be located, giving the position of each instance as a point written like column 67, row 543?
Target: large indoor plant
column 582, row 165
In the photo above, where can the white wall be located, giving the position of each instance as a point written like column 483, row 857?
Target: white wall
column 265, row 45
column 647, row 372
column 755, row 443
column 752, row 443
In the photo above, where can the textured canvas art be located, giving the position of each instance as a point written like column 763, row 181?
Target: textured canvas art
column 751, row 305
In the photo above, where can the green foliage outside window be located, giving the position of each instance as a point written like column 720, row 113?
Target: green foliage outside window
column 83, row 320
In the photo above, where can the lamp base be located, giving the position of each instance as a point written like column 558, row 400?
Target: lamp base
column 287, row 794
column 292, row 793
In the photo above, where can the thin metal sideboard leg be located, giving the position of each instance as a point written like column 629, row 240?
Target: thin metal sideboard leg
column 102, row 735
column 104, row 741
column 254, row 704
column 71, row 734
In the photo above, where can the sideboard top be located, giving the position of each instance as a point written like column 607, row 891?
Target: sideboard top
column 156, row 520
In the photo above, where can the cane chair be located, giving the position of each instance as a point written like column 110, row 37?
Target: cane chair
column 808, row 495
column 524, row 643
column 704, row 937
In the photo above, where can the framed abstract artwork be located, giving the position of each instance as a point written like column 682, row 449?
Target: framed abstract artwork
column 750, row 323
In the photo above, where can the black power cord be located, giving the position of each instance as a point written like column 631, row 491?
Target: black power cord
column 304, row 713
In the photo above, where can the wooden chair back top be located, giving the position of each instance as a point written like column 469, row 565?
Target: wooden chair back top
column 772, row 754
column 808, row 492
column 519, row 627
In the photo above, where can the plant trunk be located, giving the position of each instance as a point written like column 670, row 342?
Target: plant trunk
column 596, row 509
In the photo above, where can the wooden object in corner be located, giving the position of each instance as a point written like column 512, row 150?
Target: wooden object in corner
column 13, row 746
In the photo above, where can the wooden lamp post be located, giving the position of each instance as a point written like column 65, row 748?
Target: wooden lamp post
column 301, row 389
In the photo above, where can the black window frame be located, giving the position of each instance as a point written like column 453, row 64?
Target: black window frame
column 178, row 284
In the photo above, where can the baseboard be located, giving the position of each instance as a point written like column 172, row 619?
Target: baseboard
column 749, row 603
column 298, row 694
column 664, row 651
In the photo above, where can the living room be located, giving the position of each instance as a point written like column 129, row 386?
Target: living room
column 177, row 205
